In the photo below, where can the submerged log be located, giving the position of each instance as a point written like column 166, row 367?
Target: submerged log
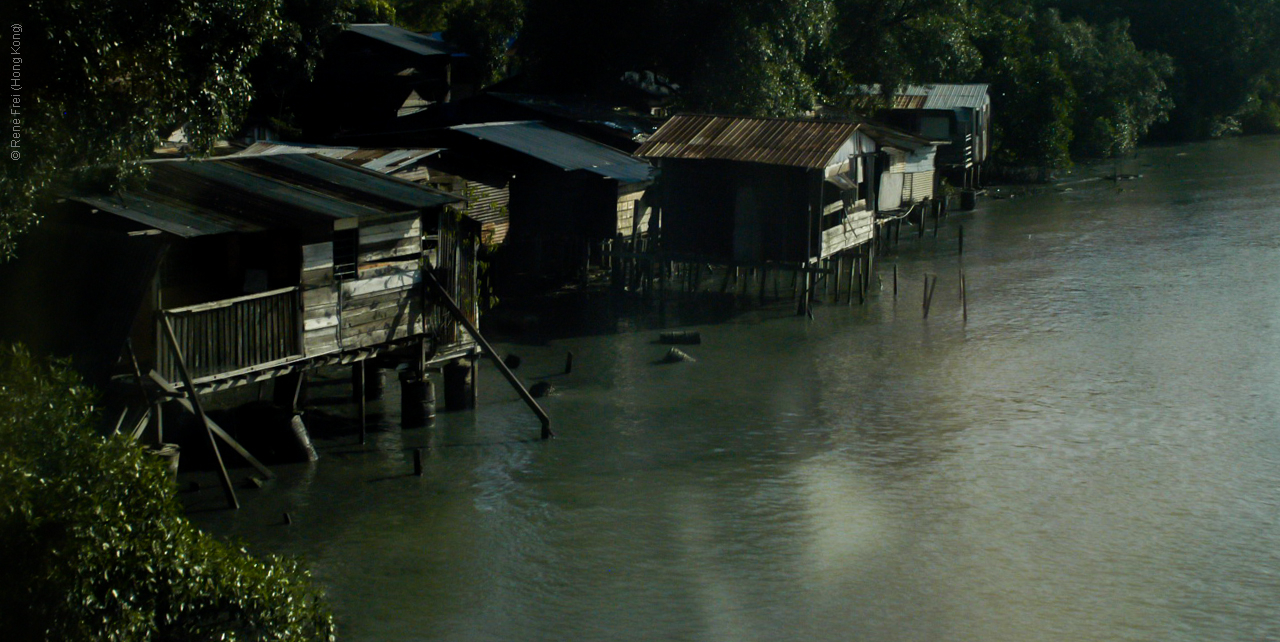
column 680, row 337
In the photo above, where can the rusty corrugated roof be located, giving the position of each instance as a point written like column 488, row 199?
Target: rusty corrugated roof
column 773, row 141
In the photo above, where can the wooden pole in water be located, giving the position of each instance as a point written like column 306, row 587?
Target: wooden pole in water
column 928, row 294
column 961, row 245
column 895, row 281
column 924, row 297
column 964, row 300
column 223, row 477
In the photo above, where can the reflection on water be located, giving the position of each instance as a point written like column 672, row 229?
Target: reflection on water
column 1093, row 456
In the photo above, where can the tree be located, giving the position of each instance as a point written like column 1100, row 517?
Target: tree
column 102, row 81
column 286, row 63
column 484, row 29
column 96, row 547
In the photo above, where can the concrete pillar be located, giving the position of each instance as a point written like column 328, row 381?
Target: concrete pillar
column 417, row 399
column 459, row 384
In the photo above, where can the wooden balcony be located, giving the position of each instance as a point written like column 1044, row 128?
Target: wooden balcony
column 233, row 335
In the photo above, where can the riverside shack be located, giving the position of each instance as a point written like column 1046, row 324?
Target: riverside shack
column 958, row 114
column 223, row 273
column 782, row 193
column 569, row 196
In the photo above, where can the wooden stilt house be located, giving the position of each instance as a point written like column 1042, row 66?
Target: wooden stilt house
column 752, row 190
column 221, row 273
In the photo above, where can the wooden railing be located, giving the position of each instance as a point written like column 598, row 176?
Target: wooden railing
column 233, row 335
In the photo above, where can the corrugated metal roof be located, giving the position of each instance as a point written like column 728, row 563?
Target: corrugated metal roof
column 561, row 149
column 421, row 44
column 386, row 161
column 774, row 141
column 946, row 96
column 935, row 96
column 197, row 198
column 886, row 135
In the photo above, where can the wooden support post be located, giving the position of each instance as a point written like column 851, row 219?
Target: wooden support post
column 862, row 295
column 417, row 462
column 453, row 308
column 172, row 390
column 839, row 268
column 964, row 300
column 871, row 268
column 961, row 241
column 895, row 281
column 364, row 416
column 227, row 487
column 853, row 284
column 568, row 362
column 475, row 383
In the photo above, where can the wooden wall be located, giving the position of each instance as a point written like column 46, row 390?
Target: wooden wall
column 633, row 210
column 379, row 301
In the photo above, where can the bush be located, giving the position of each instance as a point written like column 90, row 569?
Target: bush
column 96, row 546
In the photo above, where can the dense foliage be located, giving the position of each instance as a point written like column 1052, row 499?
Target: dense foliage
column 1070, row 78
column 95, row 544
column 102, row 82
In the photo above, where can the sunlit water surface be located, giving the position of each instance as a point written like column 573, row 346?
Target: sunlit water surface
column 1094, row 455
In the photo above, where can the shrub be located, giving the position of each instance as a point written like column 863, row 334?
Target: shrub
column 96, row 546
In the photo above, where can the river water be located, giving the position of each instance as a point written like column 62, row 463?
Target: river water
column 1094, row 455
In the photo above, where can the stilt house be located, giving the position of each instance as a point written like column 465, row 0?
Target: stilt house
column 960, row 115
column 753, row 190
column 261, row 266
column 568, row 195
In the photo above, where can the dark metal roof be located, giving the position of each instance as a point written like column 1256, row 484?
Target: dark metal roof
column 561, row 149
column 773, row 141
column 197, row 198
column 421, row 44
column 886, row 135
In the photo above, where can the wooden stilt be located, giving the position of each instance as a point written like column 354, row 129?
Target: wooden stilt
column 871, row 269
column 964, row 300
column 839, row 258
column 453, row 308
column 227, row 487
column 853, row 285
column 172, row 390
column 364, row 416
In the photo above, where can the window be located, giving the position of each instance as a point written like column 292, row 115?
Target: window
column 346, row 245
